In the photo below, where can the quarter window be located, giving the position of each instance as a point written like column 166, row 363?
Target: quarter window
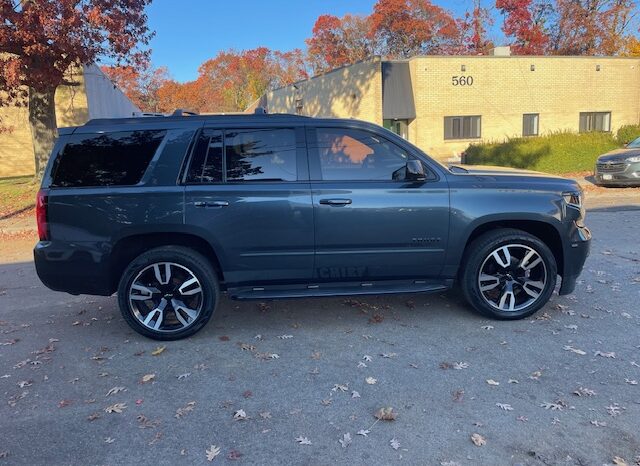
column 261, row 155
column 109, row 159
column 206, row 165
column 349, row 154
column 462, row 127
column 595, row 121
column 530, row 124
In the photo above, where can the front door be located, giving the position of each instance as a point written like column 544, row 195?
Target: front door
column 370, row 223
column 248, row 193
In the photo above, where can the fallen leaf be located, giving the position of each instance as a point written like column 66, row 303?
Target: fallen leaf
column 599, row 423
column 371, row 380
column 115, row 390
column 574, row 350
column 618, row 461
column 303, row 440
column 487, row 327
column 212, row 452
column 366, row 357
column 394, row 443
column 386, row 414
column 183, row 376
column 492, row 382
column 265, row 415
column 64, row 403
column 180, row 412
column 478, row 440
column 513, row 381
column 460, row 365
column 339, row 387
column 147, row 378
column 584, row 392
column 552, row 406
column 361, row 364
column 388, row 355
column 116, row 408
column 355, row 394
column 285, row 337
column 158, row 350
column 93, row 417
column 109, row 440
column 363, row 432
column 504, row 406
column 240, row 415
column 234, row 455
column 605, row 354
column 345, row 441
column 631, row 382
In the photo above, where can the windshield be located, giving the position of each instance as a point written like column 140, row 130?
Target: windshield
column 635, row 144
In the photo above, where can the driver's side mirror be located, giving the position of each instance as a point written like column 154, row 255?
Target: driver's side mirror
column 415, row 171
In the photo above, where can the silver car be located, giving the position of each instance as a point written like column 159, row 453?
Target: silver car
column 620, row 167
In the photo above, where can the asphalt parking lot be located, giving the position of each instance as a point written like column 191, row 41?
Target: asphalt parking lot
column 299, row 382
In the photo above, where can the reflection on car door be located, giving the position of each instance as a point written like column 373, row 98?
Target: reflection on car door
column 247, row 190
column 370, row 223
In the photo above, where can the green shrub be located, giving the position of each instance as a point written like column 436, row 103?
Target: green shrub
column 627, row 133
column 555, row 153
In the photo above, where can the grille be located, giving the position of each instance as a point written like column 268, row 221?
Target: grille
column 611, row 167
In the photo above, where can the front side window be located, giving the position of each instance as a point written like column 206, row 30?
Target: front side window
column 109, row 159
column 530, row 124
column 350, row 154
column 261, row 154
column 595, row 121
column 462, row 127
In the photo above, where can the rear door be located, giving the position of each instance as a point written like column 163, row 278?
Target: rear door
column 247, row 192
column 370, row 223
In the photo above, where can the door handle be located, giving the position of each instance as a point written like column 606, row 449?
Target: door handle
column 211, row 204
column 335, row 202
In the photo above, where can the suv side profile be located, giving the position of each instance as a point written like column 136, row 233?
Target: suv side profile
column 169, row 212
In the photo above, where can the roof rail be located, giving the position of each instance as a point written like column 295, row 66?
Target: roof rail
column 183, row 112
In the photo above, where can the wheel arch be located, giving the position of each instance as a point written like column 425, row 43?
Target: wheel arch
column 129, row 247
column 543, row 230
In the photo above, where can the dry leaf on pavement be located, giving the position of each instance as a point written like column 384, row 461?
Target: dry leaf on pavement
column 394, row 443
column 115, row 408
column 158, row 350
column 147, row 378
column 386, row 414
column 115, row 390
column 478, row 440
column 370, row 380
column 303, row 440
column 212, row 452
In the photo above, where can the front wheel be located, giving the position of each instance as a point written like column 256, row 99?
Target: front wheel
column 168, row 293
column 508, row 274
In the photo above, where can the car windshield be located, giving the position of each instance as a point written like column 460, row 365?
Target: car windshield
column 635, row 144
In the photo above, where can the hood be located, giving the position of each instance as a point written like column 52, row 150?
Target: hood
column 488, row 170
column 618, row 154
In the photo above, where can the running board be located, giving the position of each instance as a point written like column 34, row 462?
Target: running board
column 339, row 289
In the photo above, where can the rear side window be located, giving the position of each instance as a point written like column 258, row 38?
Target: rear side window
column 261, row 155
column 111, row 159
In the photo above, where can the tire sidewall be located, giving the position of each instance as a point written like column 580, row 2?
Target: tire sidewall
column 196, row 263
column 479, row 251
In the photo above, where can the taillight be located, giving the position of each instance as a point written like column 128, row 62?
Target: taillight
column 41, row 215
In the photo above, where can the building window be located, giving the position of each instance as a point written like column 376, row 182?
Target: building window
column 400, row 127
column 595, row 121
column 462, row 127
column 530, row 124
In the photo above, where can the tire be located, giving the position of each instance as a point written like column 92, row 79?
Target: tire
column 168, row 293
column 497, row 283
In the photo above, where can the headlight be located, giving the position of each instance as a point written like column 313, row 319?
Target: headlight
column 573, row 199
column 633, row 159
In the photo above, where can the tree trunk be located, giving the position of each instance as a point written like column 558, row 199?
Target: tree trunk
column 42, row 119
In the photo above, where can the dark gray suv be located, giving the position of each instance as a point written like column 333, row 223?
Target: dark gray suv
column 172, row 211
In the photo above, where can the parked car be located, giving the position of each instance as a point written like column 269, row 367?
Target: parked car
column 620, row 167
column 169, row 212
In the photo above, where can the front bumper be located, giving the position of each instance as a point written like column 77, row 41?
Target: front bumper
column 617, row 174
column 576, row 253
column 72, row 268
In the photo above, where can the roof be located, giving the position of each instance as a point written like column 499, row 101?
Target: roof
column 248, row 117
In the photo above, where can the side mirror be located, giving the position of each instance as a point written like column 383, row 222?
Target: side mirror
column 415, row 171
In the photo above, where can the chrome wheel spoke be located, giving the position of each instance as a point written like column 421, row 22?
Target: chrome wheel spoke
column 508, row 299
column 167, row 272
column 192, row 283
column 156, row 316
column 490, row 282
column 533, row 288
column 502, row 257
column 143, row 292
column 526, row 265
column 180, row 308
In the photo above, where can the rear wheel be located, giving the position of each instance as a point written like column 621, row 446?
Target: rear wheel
column 168, row 293
column 508, row 274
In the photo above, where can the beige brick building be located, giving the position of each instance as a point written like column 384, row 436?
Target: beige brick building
column 95, row 96
column 444, row 103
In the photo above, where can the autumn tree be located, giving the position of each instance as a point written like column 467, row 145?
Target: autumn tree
column 141, row 87
column 525, row 23
column 42, row 40
column 592, row 27
column 475, row 29
column 336, row 42
column 404, row 28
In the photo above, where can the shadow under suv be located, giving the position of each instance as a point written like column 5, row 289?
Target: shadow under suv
column 171, row 211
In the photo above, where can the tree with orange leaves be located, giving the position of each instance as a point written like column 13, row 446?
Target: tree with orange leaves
column 41, row 41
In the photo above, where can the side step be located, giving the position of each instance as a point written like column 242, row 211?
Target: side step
column 339, row 289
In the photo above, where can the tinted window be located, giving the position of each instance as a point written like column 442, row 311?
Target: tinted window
column 347, row 154
column 462, row 127
column 113, row 159
column 206, row 163
column 595, row 121
column 530, row 124
column 261, row 155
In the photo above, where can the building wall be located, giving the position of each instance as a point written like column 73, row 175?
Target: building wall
column 505, row 88
column 94, row 96
column 350, row 92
